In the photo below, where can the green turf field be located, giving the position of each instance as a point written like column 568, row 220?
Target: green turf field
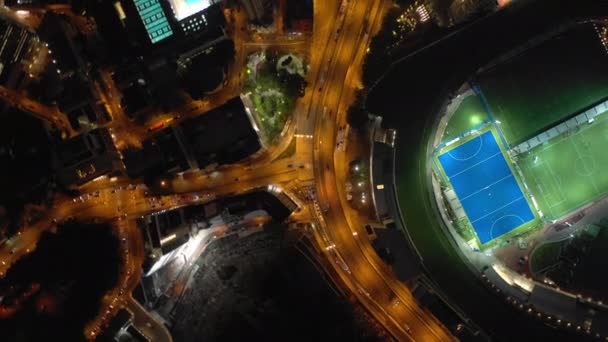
column 547, row 83
column 469, row 114
column 570, row 170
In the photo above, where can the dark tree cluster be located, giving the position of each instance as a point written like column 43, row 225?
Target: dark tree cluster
column 357, row 116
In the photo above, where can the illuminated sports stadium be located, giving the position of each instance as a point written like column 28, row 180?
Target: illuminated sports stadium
column 510, row 164
column 499, row 187
column 498, row 168
column 490, row 196
column 517, row 170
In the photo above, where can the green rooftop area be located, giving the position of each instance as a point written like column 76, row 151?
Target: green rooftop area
column 154, row 19
column 469, row 114
column 547, row 83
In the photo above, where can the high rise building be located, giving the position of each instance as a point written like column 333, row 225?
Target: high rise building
column 18, row 46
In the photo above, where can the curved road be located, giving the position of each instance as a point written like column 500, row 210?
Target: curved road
column 368, row 278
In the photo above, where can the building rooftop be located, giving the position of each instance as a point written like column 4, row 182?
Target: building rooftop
column 161, row 154
column 210, row 140
column 85, row 157
column 154, row 19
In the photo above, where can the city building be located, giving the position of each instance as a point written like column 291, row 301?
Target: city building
column 86, row 157
column 209, row 141
column 196, row 143
column 167, row 234
column 160, row 155
column 169, row 24
column 78, row 99
column 19, row 48
column 204, row 70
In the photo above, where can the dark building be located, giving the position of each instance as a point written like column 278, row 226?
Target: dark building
column 136, row 94
column 299, row 15
column 56, row 31
column 136, row 98
column 78, row 99
column 18, row 46
column 223, row 135
column 276, row 204
column 80, row 103
column 165, row 235
column 86, row 157
column 163, row 84
column 167, row 231
column 158, row 27
column 162, row 154
column 212, row 143
column 159, row 45
column 204, row 71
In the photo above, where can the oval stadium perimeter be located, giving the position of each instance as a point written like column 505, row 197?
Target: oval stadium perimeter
column 411, row 94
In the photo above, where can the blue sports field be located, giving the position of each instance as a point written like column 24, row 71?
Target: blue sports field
column 486, row 187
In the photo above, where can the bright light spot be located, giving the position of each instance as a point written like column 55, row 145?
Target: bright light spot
column 475, row 120
column 167, row 239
